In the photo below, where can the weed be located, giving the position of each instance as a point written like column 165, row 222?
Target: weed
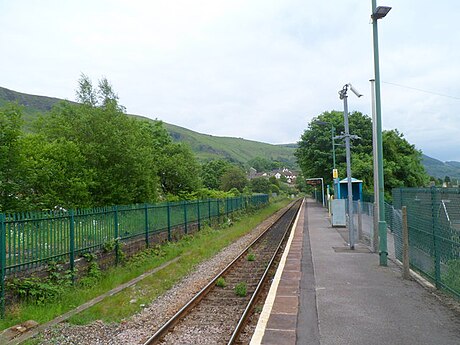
column 251, row 257
column 221, row 282
column 241, row 289
column 258, row 309
column 34, row 290
column 93, row 273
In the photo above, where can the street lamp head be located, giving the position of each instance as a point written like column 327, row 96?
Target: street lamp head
column 380, row 12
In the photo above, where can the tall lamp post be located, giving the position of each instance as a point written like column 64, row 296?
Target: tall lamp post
column 378, row 13
column 343, row 95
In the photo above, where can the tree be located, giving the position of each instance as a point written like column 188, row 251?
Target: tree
column 55, row 173
column 314, row 153
column 234, row 177
column 260, row 185
column 447, row 181
column 117, row 148
column 261, row 164
column 212, row 171
column 179, row 171
column 402, row 162
column 11, row 177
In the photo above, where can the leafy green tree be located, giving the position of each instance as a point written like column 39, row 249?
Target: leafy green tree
column 447, row 181
column 274, row 180
column 402, row 162
column 212, row 171
column 55, row 173
column 260, row 185
column 179, row 171
column 314, row 153
column 234, row 177
column 261, row 164
column 11, row 177
column 117, row 149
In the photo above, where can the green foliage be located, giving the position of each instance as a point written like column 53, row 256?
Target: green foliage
column 241, row 289
column 55, row 173
column 40, row 291
column 260, row 185
column 234, row 177
column 11, row 182
column 263, row 164
column 220, row 282
column 251, row 257
column 93, row 273
column 452, row 276
column 33, row 290
column 178, row 170
column 402, row 162
column 90, row 154
column 212, row 171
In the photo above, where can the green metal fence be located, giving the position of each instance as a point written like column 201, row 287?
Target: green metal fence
column 32, row 239
column 433, row 216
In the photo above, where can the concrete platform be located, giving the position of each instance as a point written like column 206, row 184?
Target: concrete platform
column 323, row 293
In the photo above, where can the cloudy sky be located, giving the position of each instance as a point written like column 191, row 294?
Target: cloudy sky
column 256, row 69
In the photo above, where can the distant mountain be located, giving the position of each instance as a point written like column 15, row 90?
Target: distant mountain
column 205, row 146
column 439, row 169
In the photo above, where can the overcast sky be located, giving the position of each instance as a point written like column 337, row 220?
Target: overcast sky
column 256, row 69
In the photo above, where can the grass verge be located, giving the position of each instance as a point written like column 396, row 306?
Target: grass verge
column 192, row 249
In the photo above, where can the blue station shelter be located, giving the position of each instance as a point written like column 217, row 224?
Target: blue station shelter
column 341, row 188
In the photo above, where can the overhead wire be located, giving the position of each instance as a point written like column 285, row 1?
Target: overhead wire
column 421, row 90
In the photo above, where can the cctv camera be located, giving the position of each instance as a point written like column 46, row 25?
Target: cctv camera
column 356, row 92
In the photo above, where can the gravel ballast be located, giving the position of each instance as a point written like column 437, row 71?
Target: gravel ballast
column 138, row 328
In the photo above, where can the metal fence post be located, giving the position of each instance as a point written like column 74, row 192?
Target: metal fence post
column 405, row 234
column 72, row 244
column 2, row 264
column 437, row 261
column 360, row 221
column 209, row 209
column 218, row 210
column 198, row 214
column 146, row 216
column 375, row 229
column 115, row 221
column 185, row 217
column 168, row 212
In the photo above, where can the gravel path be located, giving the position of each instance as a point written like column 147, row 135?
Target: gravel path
column 139, row 327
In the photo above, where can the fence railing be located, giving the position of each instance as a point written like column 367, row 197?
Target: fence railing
column 433, row 216
column 32, row 239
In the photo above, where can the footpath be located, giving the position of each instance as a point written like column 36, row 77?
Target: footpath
column 339, row 296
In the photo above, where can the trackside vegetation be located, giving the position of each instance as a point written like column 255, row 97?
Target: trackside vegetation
column 191, row 250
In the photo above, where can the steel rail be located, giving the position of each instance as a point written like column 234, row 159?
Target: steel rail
column 161, row 332
column 255, row 295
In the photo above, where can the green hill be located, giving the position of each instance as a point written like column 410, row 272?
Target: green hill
column 205, row 146
column 208, row 147
column 439, row 169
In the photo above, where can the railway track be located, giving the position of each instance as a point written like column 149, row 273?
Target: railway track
column 217, row 314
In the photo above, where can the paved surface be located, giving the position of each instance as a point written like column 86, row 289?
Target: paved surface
column 326, row 294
